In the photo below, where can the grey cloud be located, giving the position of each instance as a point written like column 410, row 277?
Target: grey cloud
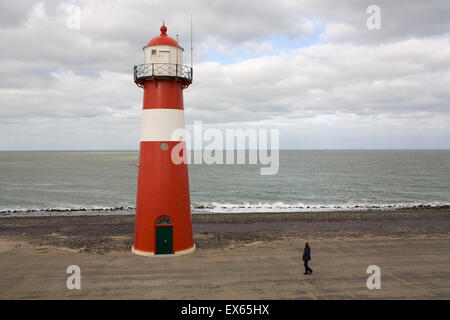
column 329, row 78
column 50, row 75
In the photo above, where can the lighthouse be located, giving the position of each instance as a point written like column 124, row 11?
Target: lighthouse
column 163, row 212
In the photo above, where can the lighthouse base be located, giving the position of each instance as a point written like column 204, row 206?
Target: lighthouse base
column 152, row 254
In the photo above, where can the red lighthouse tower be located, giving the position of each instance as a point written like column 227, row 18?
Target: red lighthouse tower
column 163, row 213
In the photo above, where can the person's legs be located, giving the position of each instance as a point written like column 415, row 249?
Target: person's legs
column 309, row 269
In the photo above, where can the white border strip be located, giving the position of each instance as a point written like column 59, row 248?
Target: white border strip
column 152, row 254
column 159, row 124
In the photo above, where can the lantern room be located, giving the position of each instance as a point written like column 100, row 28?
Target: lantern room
column 163, row 49
column 163, row 57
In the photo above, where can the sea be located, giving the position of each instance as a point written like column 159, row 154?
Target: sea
column 61, row 183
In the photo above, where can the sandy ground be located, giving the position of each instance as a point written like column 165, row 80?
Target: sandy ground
column 239, row 256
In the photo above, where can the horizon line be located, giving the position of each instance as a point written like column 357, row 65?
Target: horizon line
column 281, row 149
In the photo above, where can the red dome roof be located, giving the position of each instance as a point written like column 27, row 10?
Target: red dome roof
column 163, row 39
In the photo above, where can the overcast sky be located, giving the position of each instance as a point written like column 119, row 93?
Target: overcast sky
column 310, row 68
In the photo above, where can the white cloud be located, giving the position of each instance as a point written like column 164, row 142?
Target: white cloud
column 78, row 83
column 399, row 78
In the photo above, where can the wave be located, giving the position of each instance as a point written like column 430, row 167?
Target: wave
column 62, row 211
column 217, row 207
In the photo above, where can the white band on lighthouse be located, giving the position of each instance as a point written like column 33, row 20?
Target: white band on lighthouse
column 160, row 124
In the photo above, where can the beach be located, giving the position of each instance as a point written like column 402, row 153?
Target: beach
column 238, row 256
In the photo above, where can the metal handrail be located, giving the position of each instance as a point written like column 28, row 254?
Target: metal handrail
column 172, row 70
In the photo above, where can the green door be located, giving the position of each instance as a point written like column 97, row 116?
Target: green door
column 164, row 239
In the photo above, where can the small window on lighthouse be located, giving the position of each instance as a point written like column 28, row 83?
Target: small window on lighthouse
column 153, row 52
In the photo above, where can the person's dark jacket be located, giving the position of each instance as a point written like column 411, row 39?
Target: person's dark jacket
column 307, row 253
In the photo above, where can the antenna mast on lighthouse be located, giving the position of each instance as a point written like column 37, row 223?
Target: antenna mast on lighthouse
column 191, row 42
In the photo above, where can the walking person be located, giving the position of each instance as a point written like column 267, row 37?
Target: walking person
column 306, row 258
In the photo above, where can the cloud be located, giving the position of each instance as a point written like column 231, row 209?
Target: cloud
column 409, row 78
column 73, row 96
column 247, row 72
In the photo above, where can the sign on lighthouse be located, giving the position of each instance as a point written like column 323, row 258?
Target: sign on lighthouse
column 163, row 213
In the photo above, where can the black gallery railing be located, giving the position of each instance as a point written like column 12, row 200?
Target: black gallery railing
column 149, row 70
